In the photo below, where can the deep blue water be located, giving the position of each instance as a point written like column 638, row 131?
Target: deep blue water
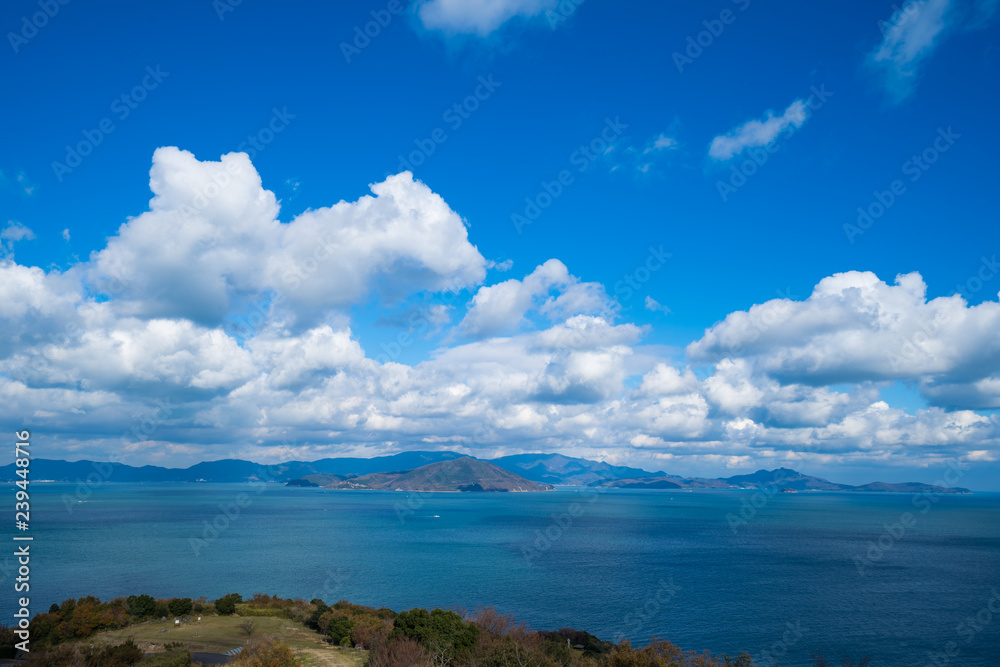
column 631, row 563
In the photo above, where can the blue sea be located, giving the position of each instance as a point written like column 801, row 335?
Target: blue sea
column 904, row 579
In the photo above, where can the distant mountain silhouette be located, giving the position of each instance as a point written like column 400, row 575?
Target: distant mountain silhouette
column 542, row 469
column 559, row 469
column 778, row 479
column 224, row 470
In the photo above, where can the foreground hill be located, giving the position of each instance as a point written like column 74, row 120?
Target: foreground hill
column 463, row 474
column 268, row 631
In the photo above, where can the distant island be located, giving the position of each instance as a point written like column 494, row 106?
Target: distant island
column 461, row 474
column 788, row 481
column 410, row 471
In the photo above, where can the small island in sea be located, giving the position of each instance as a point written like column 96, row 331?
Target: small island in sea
column 462, row 474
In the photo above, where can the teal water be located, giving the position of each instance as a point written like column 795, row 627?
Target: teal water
column 620, row 563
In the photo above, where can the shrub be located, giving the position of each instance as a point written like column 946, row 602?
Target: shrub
column 226, row 605
column 659, row 653
column 314, row 618
column 168, row 659
column 323, row 624
column 592, row 646
column 141, row 606
column 266, row 654
column 399, row 652
column 59, row 656
column 180, row 606
column 339, row 629
column 489, row 619
column 116, row 655
column 368, row 631
column 444, row 633
column 7, row 641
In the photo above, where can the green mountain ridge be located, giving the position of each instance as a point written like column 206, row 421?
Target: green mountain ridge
column 540, row 468
column 462, row 474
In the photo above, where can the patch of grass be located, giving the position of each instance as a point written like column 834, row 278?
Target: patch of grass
column 218, row 634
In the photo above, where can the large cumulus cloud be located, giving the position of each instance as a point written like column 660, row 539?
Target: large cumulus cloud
column 212, row 235
column 130, row 355
column 856, row 328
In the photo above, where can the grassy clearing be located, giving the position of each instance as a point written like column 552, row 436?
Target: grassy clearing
column 218, row 634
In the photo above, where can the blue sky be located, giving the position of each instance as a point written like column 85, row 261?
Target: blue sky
column 713, row 157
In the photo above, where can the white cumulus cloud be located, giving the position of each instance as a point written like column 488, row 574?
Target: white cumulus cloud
column 857, row 328
column 212, row 236
column 549, row 290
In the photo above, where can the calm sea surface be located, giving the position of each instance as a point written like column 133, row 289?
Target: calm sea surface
column 619, row 563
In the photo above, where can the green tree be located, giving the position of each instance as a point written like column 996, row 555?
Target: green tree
column 141, row 606
column 180, row 606
column 313, row 622
column 340, row 629
column 226, row 605
column 444, row 633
